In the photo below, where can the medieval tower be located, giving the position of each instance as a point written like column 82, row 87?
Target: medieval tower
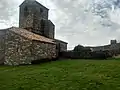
column 34, row 17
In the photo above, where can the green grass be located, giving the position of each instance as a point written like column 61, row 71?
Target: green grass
column 63, row 75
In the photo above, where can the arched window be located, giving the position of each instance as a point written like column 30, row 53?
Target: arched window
column 26, row 12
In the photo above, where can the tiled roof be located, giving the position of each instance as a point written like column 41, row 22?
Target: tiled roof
column 32, row 36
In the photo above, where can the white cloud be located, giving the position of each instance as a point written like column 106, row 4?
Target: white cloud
column 89, row 22
column 86, row 22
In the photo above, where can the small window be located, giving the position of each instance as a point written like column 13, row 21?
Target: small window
column 26, row 11
column 42, row 26
column 41, row 10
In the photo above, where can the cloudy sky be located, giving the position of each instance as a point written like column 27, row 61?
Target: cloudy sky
column 85, row 22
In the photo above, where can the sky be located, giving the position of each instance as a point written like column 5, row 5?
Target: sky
column 84, row 22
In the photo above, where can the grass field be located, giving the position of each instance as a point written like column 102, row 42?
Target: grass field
column 62, row 75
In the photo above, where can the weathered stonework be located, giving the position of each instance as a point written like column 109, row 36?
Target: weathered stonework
column 21, row 50
column 18, row 49
column 61, row 46
column 31, row 15
column 43, row 51
column 51, row 28
column 2, row 46
column 34, row 15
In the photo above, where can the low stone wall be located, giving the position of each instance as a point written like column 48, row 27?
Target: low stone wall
column 85, row 55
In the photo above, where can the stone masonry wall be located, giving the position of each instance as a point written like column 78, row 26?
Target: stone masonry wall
column 43, row 50
column 20, row 50
column 51, row 29
column 2, row 46
column 17, row 49
column 62, row 46
column 30, row 15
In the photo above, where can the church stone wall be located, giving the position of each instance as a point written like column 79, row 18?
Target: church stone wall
column 17, row 49
column 61, row 46
column 28, row 22
column 2, row 46
column 51, row 29
column 32, row 16
column 41, row 11
column 43, row 50
column 20, row 50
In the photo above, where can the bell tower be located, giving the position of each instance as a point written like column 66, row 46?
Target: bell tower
column 33, row 16
column 30, row 15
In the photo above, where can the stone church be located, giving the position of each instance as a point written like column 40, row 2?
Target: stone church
column 33, row 39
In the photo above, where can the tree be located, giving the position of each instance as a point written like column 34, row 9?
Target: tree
column 78, row 48
column 81, row 51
